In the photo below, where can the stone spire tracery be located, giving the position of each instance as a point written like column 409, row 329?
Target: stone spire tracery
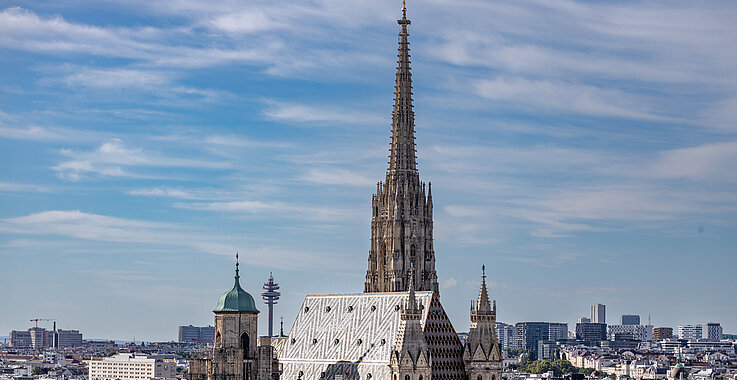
column 401, row 224
column 482, row 353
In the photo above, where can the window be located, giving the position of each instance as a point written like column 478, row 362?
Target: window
column 245, row 344
column 406, row 377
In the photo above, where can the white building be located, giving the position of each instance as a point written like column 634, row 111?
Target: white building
column 639, row 332
column 130, row 366
column 711, row 331
column 598, row 313
column 689, row 332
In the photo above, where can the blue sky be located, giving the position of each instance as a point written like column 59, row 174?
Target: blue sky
column 584, row 151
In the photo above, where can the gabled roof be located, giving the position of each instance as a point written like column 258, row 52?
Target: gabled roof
column 345, row 333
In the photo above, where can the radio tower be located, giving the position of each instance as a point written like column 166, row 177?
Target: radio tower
column 270, row 296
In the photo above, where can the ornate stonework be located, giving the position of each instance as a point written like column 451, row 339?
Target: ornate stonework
column 401, row 221
column 237, row 353
column 482, row 354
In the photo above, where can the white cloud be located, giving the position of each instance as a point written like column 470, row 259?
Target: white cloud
column 301, row 113
column 715, row 161
column 450, row 283
column 333, row 176
column 273, row 208
column 100, row 228
column 112, row 158
column 562, row 96
column 23, row 187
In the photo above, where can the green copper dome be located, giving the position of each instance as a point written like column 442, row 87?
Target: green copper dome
column 236, row 299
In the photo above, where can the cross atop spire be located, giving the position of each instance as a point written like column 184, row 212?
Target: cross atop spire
column 237, row 276
column 483, row 305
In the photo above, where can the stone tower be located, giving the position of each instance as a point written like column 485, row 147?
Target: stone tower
column 237, row 353
column 410, row 357
column 482, row 354
column 401, row 221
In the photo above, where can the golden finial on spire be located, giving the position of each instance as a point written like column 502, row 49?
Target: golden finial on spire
column 404, row 6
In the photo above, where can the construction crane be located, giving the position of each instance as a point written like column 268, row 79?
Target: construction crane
column 41, row 319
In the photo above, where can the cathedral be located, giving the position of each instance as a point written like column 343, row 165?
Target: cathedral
column 397, row 328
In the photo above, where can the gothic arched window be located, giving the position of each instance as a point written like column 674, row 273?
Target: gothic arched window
column 245, row 344
column 406, row 377
column 218, row 339
column 479, row 378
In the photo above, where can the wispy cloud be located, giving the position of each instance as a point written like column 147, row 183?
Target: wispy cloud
column 23, row 187
column 301, row 113
column 269, row 208
column 334, row 176
column 101, row 228
column 561, row 96
column 113, row 158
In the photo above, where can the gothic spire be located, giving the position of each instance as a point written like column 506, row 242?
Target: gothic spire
column 412, row 307
column 483, row 304
column 402, row 153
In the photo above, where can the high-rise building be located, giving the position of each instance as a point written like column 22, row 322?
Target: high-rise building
column 20, row 339
column 639, row 332
column 507, row 335
column 131, row 366
column 661, row 333
column 591, row 333
column 712, row 331
column 558, row 331
column 530, row 333
column 689, row 332
column 630, row 319
column 67, row 338
column 40, row 338
column 584, row 320
column 196, row 334
column 598, row 313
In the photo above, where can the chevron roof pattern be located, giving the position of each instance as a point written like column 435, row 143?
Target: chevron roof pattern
column 348, row 334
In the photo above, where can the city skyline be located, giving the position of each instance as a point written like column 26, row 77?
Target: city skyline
column 144, row 145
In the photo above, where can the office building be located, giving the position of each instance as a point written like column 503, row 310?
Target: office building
column 507, row 335
column 67, row 338
column 639, row 332
column 591, row 333
column 689, row 332
column 662, row 333
column 20, row 339
column 558, row 331
column 529, row 334
column 40, row 338
column 630, row 319
column 711, row 331
column 583, row 320
column 598, row 313
column 196, row 334
column 131, row 366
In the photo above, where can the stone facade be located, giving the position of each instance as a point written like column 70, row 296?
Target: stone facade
column 401, row 221
column 482, row 353
column 237, row 352
column 410, row 358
